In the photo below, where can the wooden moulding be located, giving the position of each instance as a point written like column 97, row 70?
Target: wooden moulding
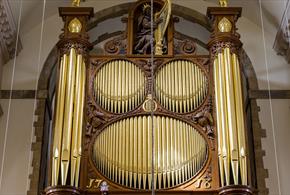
column 62, row 190
column 236, row 190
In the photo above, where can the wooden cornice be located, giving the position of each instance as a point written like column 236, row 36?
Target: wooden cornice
column 272, row 94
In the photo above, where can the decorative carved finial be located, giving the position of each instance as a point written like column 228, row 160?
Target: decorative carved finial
column 223, row 3
column 76, row 3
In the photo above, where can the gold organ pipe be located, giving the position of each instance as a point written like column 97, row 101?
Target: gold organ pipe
column 123, row 87
column 176, row 86
column 113, row 152
column 126, row 150
column 106, row 86
column 102, row 86
column 59, row 121
column 140, row 152
column 224, row 120
column 169, row 86
column 116, row 80
column 145, row 152
column 161, row 85
column 174, row 127
column 112, row 92
column 130, row 86
column 196, row 73
column 135, row 87
column 164, row 138
column 83, row 84
column 188, row 80
column 196, row 80
column 184, row 94
column 231, row 116
column 119, row 85
column 181, row 150
column 118, row 154
column 149, row 151
column 184, row 150
column 199, row 86
column 179, row 80
column 173, row 83
column 76, row 119
column 160, row 157
column 68, row 114
column 139, row 82
column 172, row 155
column 240, row 119
column 109, row 86
column 135, row 155
column 110, row 152
column 218, row 118
column 126, row 85
column 169, row 155
column 191, row 80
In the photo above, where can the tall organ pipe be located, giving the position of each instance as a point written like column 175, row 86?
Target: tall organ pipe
column 68, row 119
column 230, row 119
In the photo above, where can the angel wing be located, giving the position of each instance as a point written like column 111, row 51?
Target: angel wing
column 165, row 14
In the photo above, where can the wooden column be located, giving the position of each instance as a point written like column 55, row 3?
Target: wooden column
column 69, row 120
column 224, row 47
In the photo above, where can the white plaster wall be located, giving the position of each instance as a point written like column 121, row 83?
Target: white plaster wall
column 16, row 158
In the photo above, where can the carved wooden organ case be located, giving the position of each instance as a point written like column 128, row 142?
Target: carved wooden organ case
column 125, row 125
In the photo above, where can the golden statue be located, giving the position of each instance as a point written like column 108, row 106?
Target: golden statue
column 76, row 3
column 223, row 3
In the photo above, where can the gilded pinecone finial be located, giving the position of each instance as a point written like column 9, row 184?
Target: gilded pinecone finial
column 76, row 3
column 223, row 3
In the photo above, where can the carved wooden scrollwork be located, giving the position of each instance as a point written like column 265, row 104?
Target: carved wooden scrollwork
column 184, row 47
column 117, row 45
column 204, row 118
column 94, row 118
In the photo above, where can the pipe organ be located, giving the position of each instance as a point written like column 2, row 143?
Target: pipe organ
column 127, row 124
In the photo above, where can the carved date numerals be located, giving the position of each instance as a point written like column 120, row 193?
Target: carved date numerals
column 202, row 183
column 94, row 183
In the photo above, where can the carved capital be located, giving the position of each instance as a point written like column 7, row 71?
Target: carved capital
column 218, row 46
column 75, row 29
column 82, row 46
column 281, row 45
column 7, row 33
column 224, row 31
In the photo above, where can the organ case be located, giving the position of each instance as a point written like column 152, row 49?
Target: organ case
column 151, row 125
